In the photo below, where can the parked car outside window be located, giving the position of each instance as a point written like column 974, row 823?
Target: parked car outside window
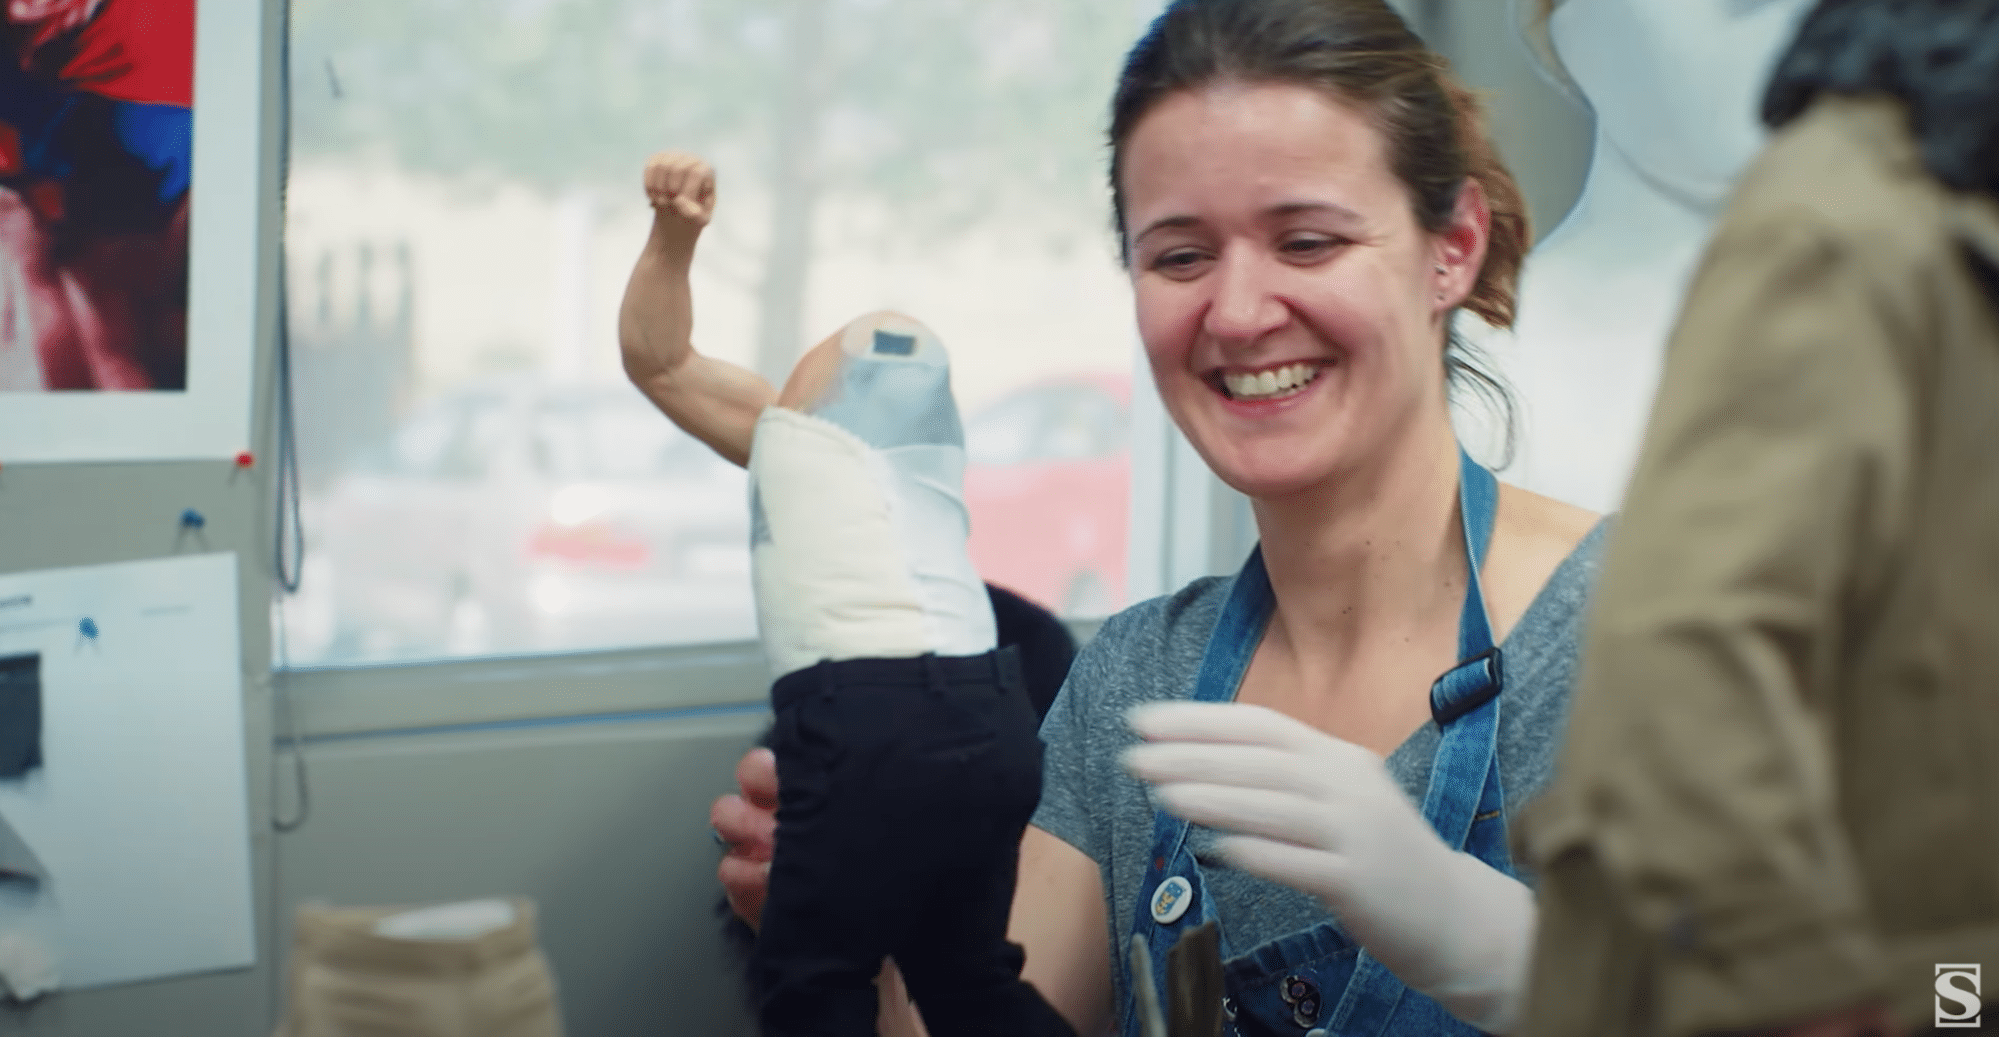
column 1048, row 483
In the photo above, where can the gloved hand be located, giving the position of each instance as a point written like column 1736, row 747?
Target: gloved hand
column 1323, row 816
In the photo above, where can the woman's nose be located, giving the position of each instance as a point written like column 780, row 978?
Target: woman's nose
column 1245, row 305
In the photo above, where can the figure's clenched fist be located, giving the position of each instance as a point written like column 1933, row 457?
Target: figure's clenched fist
column 681, row 185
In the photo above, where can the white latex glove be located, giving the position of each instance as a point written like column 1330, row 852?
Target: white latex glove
column 1323, row 816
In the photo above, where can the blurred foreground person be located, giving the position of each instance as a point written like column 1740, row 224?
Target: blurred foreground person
column 1775, row 813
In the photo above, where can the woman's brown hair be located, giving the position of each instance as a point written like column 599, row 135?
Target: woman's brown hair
column 1361, row 52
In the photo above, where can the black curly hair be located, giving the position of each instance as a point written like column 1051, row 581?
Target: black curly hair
column 1940, row 58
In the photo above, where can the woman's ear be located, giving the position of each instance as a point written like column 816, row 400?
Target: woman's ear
column 1460, row 246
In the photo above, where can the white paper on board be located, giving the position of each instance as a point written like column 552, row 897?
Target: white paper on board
column 139, row 813
column 210, row 419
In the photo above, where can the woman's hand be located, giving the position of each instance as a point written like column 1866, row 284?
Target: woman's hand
column 747, row 823
column 1323, row 816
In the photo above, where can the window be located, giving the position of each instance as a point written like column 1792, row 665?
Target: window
column 463, row 210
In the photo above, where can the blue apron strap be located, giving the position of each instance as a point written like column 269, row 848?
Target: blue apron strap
column 1238, row 630
column 1477, row 677
column 1464, row 780
column 1463, row 702
column 1478, row 502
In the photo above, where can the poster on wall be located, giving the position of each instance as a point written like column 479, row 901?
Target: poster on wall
column 128, row 192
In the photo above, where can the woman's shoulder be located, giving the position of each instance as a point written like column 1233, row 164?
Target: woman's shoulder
column 1564, row 564
column 1149, row 651
column 1543, row 651
column 1168, row 617
column 1152, row 649
column 1533, row 539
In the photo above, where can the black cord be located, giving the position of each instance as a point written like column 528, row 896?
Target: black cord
column 289, row 550
column 294, row 823
column 290, row 547
column 288, row 561
column 291, row 527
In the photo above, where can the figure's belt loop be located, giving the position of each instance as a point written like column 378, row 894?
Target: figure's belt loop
column 1006, row 668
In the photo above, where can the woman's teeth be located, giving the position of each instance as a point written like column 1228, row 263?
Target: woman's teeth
column 1266, row 385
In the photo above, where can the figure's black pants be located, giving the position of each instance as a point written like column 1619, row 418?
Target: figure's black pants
column 903, row 788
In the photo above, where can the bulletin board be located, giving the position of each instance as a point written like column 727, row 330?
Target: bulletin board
column 128, row 827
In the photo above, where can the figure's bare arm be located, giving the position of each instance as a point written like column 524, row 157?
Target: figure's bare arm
column 1058, row 918
column 715, row 401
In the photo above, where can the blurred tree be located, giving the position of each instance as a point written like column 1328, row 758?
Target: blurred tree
column 944, row 114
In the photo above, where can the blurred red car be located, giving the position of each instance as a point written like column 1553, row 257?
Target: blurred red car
column 1048, row 483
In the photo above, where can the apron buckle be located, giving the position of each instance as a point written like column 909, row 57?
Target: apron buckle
column 1452, row 698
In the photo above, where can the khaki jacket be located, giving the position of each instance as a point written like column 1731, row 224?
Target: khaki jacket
column 1780, row 792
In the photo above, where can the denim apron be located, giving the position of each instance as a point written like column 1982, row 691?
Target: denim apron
column 1319, row 983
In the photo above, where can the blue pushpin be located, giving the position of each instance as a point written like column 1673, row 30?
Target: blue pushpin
column 191, row 519
column 88, row 628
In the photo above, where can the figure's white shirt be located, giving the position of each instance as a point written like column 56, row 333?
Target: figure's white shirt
column 858, row 523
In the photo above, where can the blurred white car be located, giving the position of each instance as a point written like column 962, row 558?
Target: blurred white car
column 516, row 517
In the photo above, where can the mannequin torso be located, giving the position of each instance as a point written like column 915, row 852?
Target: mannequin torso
column 1675, row 85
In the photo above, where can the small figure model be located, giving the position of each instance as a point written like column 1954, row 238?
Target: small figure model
column 892, row 705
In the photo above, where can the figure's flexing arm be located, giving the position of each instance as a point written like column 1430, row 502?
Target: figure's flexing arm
column 715, row 401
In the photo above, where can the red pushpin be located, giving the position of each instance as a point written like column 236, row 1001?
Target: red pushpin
column 246, row 459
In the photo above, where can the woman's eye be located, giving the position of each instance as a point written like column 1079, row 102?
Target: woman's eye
column 1308, row 247
column 1179, row 260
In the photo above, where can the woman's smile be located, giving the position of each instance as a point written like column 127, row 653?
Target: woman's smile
column 1267, row 384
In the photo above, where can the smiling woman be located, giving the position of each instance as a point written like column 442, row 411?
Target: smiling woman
column 1291, row 305
column 1305, row 199
column 1389, row 107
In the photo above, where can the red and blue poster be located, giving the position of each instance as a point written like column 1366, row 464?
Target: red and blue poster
column 96, row 162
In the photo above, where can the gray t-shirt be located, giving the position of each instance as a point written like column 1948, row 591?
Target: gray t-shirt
column 1153, row 651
